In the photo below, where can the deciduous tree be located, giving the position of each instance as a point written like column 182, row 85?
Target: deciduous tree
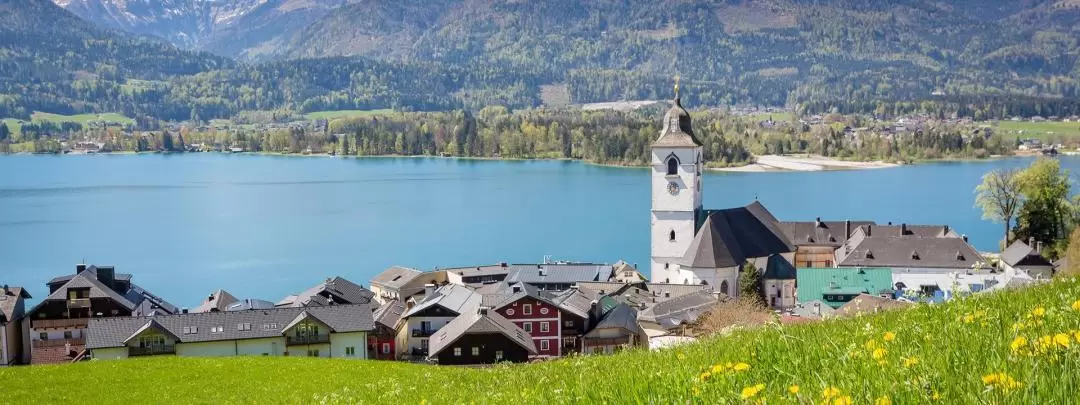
column 999, row 197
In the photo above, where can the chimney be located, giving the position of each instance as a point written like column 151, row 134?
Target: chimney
column 429, row 290
column 501, row 264
column 903, row 229
column 1031, row 241
column 817, row 221
column 79, row 268
column 1038, row 247
column 542, row 273
column 595, row 311
column 210, row 298
column 482, row 311
column 817, row 308
column 964, row 237
column 5, row 289
column 868, row 229
column 945, row 231
column 847, row 229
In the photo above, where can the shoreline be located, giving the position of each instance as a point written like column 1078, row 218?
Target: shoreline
column 762, row 164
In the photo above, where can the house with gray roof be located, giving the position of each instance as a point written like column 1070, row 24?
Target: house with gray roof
column 558, row 276
column 58, row 323
column 335, row 290
column 1020, row 256
column 391, row 283
column 387, row 323
column 338, row 331
column 437, row 308
column 680, row 312
column 216, row 301
column 618, row 329
column 816, row 241
column 13, row 337
column 481, row 336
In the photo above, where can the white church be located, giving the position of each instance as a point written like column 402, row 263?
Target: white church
column 692, row 245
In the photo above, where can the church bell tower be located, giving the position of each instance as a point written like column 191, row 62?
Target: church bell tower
column 677, row 164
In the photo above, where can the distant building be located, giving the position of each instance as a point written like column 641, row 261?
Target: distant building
column 536, row 313
column 336, row 290
column 389, row 284
column 834, row 287
column 816, row 241
column 58, row 323
column 14, row 341
column 481, row 336
column 383, row 340
column 617, row 329
column 217, row 301
column 778, row 279
column 338, row 331
column 436, row 309
column 1020, row 256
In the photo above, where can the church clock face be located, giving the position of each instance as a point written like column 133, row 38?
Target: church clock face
column 673, row 188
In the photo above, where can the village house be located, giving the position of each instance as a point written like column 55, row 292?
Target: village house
column 676, row 316
column 617, row 329
column 481, row 336
column 537, row 314
column 482, row 274
column 834, row 287
column 1022, row 257
column 338, row 331
column 14, row 341
column 217, row 301
column 816, row 241
column 336, row 290
column 778, row 278
column 382, row 341
column 431, row 313
column 557, row 276
column 389, row 284
column 58, row 323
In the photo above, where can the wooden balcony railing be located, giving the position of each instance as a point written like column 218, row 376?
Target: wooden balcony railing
column 39, row 344
column 150, row 351
column 307, row 340
column 58, row 323
column 78, row 303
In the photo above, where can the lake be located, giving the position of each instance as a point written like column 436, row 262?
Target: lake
column 265, row 226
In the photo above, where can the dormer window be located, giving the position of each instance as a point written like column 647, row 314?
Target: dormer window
column 914, row 255
column 672, row 165
column 869, row 254
column 671, row 236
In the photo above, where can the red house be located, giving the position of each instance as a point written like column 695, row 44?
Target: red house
column 381, row 342
column 555, row 330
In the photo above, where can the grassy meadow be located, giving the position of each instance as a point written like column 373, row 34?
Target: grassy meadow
column 15, row 127
column 1046, row 130
column 330, row 115
column 1005, row 347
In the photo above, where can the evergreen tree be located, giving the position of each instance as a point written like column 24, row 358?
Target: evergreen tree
column 167, row 142
column 5, row 133
column 751, row 286
column 345, row 145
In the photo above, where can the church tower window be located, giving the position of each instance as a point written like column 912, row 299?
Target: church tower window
column 671, row 237
column 672, row 166
column 724, row 287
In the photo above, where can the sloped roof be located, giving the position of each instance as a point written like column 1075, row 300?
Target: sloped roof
column 389, row 313
column 89, row 280
column 678, row 131
column 868, row 304
column 816, row 283
column 1021, row 254
column 343, row 292
column 558, row 273
column 113, row 331
column 676, row 311
column 151, row 324
column 302, row 316
column 475, row 323
column 820, row 233
column 217, row 301
column 575, row 302
column 135, row 299
column 776, row 267
column 926, row 231
column 455, row 298
column 622, row 316
column 728, row 237
column 395, row 277
column 9, row 301
column 907, row 251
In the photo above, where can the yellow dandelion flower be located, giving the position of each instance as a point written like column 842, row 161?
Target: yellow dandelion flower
column 879, row 353
column 936, row 396
column 990, row 379
column 889, row 337
column 705, row 376
column 1018, row 345
column 969, row 318
column 680, row 356
column 1038, row 312
column 830, row 392
column 1076, row 305
column 697, row 391
column 910, row 362
column 1077, row 336
column 883, row 401
column 871, row 344
column 1000, row 381
column 793, row 390
column 751, row 391
column 741, row 367
column 844, row 400
column 1062, row 340
column 1043, row 344
column 717, row 368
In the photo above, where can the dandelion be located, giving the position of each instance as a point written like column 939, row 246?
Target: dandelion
column 968, row 318
column 717, row 368
column 704, row 376
column 1000, row 381
column 680, row 356
column 751, row 391
column 871, row 344
column 1018, row 345
column 1043, row 344
column 844, row 400
column 879, row 353
column 910, row 362
column 883, row 401
column 936, row 396
column 830, row 392
column 1038, row 312
column 1062, row 340
column 741, row 367
column 1076, row 305
column 793, row 390
column 889, row 337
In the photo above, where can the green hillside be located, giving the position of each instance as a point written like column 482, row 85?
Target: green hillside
column 1011, row 347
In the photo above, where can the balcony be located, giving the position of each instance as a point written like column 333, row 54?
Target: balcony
column 151, row 351
column 70, row 323
column 41, row 344
column 78, row 303
column 307, row 340
column 423, row 332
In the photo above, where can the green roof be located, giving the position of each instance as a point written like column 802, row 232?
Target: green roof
column 817, row 283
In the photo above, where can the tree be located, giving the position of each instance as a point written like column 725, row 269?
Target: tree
column 999, row 197
column 1072, row 255
column 750, row 284
column 345, row 145
column 4, row 132
column 167, row 142
column 1046, row 211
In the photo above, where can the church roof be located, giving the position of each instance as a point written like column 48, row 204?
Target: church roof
column 677, row 131
column 728, row 237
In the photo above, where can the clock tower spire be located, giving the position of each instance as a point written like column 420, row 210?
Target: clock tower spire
column 677, row 164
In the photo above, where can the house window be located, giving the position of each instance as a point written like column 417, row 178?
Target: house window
column 543, row 311
column 457, row 351
column 671, row 236
column 475, row 350
column 509, row 312
column 217, row 329
column 498, row 355
column 527, row 309
column 350, row 351
column 313, row 353
column 544, row 327
column 424, row 344
column 44, row 336
column 67, row 334
column 527, row 326
column 568, row 324
column 828, row 263
column 545, row 345
column 243, row 326
column 386, row 348
column 809, row 264
column 724, row 287
column 672, row 166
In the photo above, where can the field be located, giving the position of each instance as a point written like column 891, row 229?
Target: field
column 1007, row 347
column 1046, row 130
column 329, row 115
column 37, row 116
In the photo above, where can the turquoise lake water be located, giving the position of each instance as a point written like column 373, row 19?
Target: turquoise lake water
column 264, row 227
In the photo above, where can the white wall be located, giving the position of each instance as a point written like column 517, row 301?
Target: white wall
column 356, row 340
column 4, row 350
column 301, row 350
column 206, row 349
column 945, row 279
column 110, row 353
column 783, row 290
column 673, row 212
column 437, row 322
column 57, row 334
column 256, row 347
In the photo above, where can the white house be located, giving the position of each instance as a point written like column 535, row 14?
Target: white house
column 338, row 331
column 435, row 310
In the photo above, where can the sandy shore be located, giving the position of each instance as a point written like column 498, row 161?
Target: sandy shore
column 804, row 163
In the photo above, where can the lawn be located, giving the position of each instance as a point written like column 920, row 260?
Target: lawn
column 329, row 115
column 1042, row 130
column 1009, row 347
